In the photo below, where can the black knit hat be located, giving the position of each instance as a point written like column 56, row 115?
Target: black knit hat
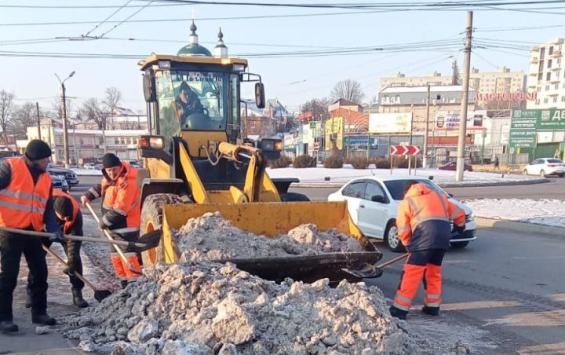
column 109, row 160
column 37, row 149
column 63, row 206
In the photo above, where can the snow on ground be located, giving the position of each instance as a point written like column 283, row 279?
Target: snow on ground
column 318, row 175
column 94, row 172
column 546, row 212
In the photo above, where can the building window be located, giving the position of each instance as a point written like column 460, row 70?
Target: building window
column 547, row 88
column 548, row 76
column 550, row 50
column 540, row 76
column 549, row 63
column 545, row 100
column 562, row 98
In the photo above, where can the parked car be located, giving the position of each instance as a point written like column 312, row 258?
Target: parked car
column 89, row 166
column 67, row 174
column 373, row 204
column 59, row 182
column 453, row 166
column 545, row 166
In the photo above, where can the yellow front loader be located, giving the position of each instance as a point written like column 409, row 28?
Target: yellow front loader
column 196, row 161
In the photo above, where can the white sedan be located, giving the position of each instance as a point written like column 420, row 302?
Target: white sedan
column 373, row 203
column 545, row 166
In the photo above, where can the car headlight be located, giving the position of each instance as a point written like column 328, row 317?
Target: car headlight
column 469, row 217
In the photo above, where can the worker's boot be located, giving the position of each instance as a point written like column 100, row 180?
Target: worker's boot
column 77, row 298
column 43, row 319
column 398, row 313
column 7, row 326
column 432, row 311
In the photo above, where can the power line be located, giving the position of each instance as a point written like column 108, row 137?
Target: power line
column 126, row 19
column 109, row 17
column 230, row 18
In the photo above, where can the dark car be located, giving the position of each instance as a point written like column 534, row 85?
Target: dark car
column 68, row 174
column 59, row 182
column 453, row 166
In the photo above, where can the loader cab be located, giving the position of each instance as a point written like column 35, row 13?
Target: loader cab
column 196, row 95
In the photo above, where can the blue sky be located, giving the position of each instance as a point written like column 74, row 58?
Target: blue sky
column 292, row 80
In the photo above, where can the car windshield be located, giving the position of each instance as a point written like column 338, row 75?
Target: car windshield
column 396, row 187
column 554, row 161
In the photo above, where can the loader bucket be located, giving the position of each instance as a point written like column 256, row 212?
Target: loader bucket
column 272, row 219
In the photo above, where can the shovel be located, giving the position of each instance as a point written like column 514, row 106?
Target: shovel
column 146, row 241
column 371, row 271
column 99, row 295
column 109, row 237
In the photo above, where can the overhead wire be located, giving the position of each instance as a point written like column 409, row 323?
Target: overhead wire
column 108, row 18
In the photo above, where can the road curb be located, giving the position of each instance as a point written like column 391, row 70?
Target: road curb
column 521, row 227
column 330, row 184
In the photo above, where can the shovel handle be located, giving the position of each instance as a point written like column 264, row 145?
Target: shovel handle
column 107, row 234
column 59, row 259
column 393, row 260
column 71, row 237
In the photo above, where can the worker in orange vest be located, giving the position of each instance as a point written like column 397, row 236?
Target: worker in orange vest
column 120, row 207
column 424, row 227
column 69, row 217
column 26, row 203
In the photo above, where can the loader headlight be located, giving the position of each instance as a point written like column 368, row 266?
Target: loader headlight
column 279, row 146
column 151, row 142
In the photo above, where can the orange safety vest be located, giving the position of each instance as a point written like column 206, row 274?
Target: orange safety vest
column 76, row 208
column 123, row 196
column 22, row 204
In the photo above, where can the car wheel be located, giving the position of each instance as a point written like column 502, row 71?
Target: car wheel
column 542, row 173
column 391, row 238
column 459, row 245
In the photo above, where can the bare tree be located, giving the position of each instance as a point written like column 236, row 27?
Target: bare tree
column 24, row 116
column 349, row 90
column 6, row 99
column 318, row 108
column 92, row 111
column 112, row 99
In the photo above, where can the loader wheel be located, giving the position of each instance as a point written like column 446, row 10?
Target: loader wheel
column 294, row 197
column 151, row 220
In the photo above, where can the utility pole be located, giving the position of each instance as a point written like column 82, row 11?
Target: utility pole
column 65, row 128
column 425, row 152
column 465, row 100
column 38, row 120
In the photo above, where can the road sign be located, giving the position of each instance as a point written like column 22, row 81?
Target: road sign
column 404, row 150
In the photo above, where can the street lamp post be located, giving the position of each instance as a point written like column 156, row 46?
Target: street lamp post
column 65, row 128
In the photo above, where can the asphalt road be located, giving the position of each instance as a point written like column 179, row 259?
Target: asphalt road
column 505, row 289
column 554, row 189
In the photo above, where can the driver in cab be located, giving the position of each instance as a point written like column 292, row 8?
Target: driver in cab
column 187, row 103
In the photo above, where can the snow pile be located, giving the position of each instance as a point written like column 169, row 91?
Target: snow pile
column 211, row 237
column 207, row 308
column 546, row 212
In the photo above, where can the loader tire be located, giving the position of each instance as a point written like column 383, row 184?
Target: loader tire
column 151, row 220
column 294, row 197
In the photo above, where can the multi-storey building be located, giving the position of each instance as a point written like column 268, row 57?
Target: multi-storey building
column 502, row 89
column 547, row 75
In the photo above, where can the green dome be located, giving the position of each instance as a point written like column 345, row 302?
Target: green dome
column 194, row 49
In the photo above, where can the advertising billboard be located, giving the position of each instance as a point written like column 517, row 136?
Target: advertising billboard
column 333, row 129
column 400, row 122
column 450, row 120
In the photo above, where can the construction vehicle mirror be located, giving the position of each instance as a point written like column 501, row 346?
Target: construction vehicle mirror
column 149, row 87
column 260, row 95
